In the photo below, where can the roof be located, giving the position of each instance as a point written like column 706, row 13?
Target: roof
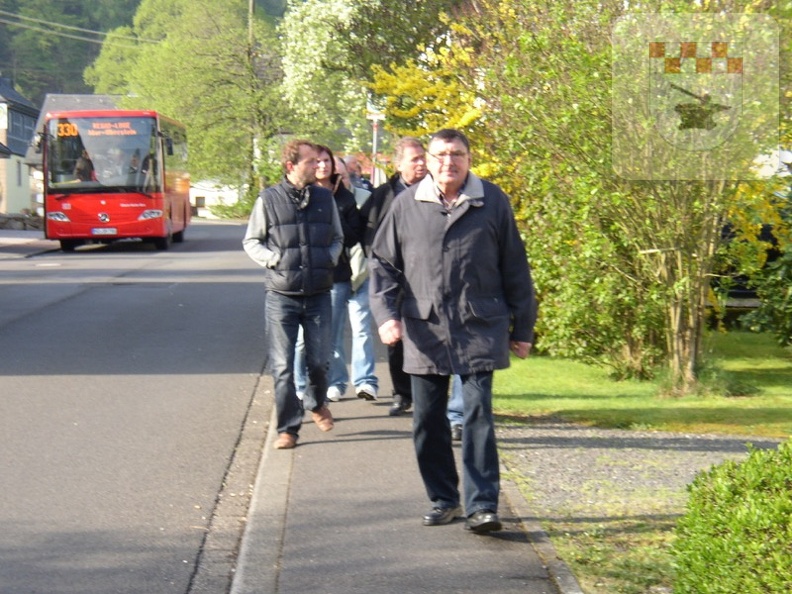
column 8, row 94
column 13, row 102
column 58, row 102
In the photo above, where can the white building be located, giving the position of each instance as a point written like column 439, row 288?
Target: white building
column 17, row 123
column 205, row 194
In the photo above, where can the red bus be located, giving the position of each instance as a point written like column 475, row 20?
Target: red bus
column 114, row 174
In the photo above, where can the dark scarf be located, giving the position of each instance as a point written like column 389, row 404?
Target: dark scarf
column 299, row 197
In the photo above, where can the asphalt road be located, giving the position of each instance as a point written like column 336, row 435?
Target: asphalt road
column 127, row 376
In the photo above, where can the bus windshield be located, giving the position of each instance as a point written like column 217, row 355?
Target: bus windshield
column 102, row 154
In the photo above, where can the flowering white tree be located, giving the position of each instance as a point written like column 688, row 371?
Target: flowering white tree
column 327, row 100
column 329, row 48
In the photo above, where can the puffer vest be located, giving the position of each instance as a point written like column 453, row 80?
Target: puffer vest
column 302, row 234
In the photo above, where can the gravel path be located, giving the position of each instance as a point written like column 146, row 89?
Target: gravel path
column 570, row 471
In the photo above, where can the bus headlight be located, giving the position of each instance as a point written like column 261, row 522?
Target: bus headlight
column 57, row 216
column 150, row 214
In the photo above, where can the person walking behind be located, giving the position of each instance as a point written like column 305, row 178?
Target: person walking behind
column 364, row 376
column 295, row 234
column 456, row 409
column 452, row 247
column 409, row 158
column 338, row 378
column 356, row 173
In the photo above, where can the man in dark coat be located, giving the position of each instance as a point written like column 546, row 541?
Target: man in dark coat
column 450, row 247
column 409, row 158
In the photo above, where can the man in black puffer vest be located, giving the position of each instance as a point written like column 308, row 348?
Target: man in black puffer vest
column 295, row 234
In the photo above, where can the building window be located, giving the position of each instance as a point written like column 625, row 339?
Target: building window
column 20, row 126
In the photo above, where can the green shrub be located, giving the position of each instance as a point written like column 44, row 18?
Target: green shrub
column 736, row 535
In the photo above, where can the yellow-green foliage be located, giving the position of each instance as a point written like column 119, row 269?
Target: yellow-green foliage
column 423, row 96
column 758, row 204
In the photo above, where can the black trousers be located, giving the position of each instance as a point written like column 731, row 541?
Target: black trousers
column 402, row 384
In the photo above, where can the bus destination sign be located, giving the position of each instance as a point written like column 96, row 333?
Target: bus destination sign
column 112, row 128
column 97, row 128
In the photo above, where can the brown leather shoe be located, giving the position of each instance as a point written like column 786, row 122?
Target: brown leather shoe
column 323, row 418
column 285, row 441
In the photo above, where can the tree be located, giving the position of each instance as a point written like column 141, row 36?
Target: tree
column 110, row 14
column 381, row 32
column 485, row 64
column 46, row 44
column 420, row 98
column 328, row 102
column 202, row 71
column 623, row 266
column 430, row 92
column 330, row 47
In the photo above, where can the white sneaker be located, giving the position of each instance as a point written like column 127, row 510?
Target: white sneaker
column 333, row 394
column 300, row 394
column 367, row 392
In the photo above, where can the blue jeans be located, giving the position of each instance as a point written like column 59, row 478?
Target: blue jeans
column 354, row 307
column 338, row 375
column 285, row 314
column 432, row 437
column 363, row 361
column 456, row 407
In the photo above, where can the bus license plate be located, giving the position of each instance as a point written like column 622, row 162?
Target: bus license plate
column 105, row 231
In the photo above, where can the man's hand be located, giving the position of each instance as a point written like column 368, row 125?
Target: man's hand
column 390, row 332
column 521, row 349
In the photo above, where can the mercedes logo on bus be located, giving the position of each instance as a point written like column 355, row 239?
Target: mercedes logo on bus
column 104, row 217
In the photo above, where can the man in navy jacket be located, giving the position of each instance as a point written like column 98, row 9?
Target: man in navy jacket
column 451, row 246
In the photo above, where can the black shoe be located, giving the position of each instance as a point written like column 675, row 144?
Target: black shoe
column 456, row 432
column 483, row 521
column 442, row 515
column 400, row 406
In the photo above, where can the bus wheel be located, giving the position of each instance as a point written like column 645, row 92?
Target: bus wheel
column 69, row 245
column 162, row 243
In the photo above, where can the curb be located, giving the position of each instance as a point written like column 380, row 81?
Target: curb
column 218, row 558
column 258, row 560
column 559, row 572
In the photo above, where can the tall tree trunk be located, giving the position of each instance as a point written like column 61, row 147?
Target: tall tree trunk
column 686, row 272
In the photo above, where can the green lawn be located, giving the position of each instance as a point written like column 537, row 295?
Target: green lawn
column 543, row 386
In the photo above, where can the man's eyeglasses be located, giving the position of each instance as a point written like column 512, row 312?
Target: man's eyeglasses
column 453, row 155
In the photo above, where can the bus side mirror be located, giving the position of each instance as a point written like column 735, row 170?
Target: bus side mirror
column 169, row 146
column 38, row 141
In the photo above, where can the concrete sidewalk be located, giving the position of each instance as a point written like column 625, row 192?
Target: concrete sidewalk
column 21, row 244
column 341, row 514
